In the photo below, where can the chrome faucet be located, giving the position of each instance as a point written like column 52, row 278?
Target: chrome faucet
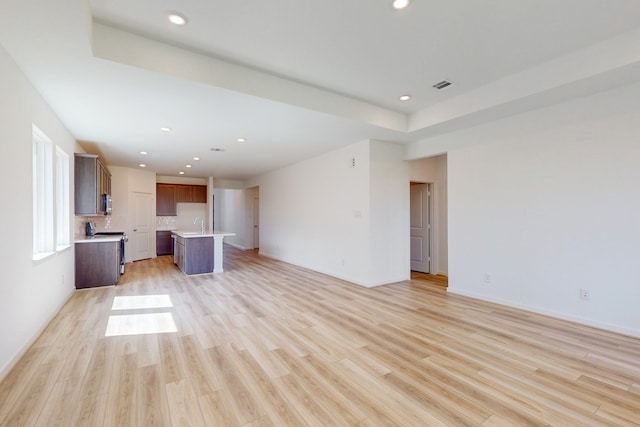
column 195, row 221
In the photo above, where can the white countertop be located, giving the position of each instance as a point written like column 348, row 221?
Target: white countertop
column 96, row 239
column 189, row 234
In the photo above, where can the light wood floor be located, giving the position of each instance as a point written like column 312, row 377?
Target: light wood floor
column 436, row 279
column 269, row 344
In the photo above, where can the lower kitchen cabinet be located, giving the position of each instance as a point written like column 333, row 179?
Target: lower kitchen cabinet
column 193, row 255
column 97, row 264
column 164, row 243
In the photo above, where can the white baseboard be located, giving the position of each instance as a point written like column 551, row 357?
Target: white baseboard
column 558, row 315
column 23, row 350
column 236, row 246
column 337, row 276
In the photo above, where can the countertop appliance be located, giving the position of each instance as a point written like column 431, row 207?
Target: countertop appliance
column 90, row 229
column 123, row 240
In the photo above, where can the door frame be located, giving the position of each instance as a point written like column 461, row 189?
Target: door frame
column 250, row 194
column 433, row 233
column 256, row 222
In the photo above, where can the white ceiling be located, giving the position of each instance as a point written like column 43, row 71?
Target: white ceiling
column 298, row 78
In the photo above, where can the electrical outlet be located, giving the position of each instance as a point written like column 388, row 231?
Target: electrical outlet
column 584, row 294
column 486, row 277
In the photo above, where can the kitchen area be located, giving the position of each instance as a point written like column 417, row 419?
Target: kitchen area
column 181, row 230
column 125, row 215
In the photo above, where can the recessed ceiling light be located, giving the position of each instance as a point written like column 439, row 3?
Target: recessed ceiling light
column 400, row 4
column 144, row 153
column 405, row 97
column 188, row 166
column 181, row 173
column 241, row 140
column 142, row 165
column 196, row 158
column 165, row 129
column 177, row 18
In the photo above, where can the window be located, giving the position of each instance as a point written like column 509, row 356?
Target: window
column 43, row 242
column 62, row 200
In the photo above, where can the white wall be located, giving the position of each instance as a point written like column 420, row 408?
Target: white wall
column 433, row 170
column 30, row 292
column 231, row 215
column 547, row 203
column 389, row 211
column 186, row 180
column 442, row 214
column 233, row 207
column 124, row 182
column 317, row 213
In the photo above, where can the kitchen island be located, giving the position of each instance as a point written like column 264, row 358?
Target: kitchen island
column 198, row 252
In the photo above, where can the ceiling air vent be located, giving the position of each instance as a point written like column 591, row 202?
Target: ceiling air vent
column 442, row 84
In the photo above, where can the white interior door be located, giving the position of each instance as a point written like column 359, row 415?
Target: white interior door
column 420, row 228
column 256, row 223
column 142, row 229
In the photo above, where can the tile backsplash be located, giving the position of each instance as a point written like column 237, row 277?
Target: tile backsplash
column 103, row 223
column 166, row 223
column 186, row 214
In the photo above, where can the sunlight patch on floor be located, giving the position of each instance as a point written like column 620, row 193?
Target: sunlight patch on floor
column 141, row 301
column 139, row 324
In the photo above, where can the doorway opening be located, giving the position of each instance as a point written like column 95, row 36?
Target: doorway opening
column 420, row 222
column 252, row 206
column 424, row 234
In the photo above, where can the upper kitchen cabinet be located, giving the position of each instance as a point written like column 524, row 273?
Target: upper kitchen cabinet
column 199, row 193
column 184, row 193
column 168, row 195
column 92, row 185
column 166, row 200
column 191, row 193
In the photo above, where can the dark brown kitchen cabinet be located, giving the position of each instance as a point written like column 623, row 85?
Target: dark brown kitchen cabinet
column 193, row 255
column 178, row 252
column 167, row 195
column 165, row 200
column 164, row 243
column 191, row 193
column 184, row 193
column 97, row 264
column 92, row 181
column 199, row 193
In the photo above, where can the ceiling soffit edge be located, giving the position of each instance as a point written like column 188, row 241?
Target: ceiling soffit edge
column 124, row 47
column 579, row 73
